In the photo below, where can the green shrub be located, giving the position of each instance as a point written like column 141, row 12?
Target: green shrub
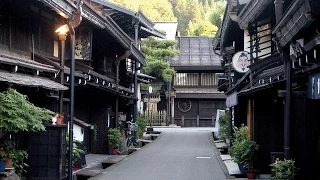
column 141, row 126
column 114, row 138
column 283, row 169
column 18, row 114
column 224, row 130
column 243, row 150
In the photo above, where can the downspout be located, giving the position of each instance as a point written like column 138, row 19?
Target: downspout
column 120, row 58
column 287, row 119
column 288, row 65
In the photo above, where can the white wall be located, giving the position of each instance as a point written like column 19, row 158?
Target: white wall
column 77, row 133
column 263, row 39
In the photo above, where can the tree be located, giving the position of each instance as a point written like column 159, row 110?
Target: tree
column 133, row 5
column 205, row 28
column 216, row 15
column 157, row 10
column 157, row 52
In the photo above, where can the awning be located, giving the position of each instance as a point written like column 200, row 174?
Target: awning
column 27, row 63
column 297, row 17
column 33, row 81
column 265, row 79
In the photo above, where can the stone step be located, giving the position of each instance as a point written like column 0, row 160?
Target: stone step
column 112, row 160
column 86, row 173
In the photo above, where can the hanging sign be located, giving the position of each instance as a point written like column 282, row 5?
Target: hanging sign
column 83, row 44
column 232, row 100
column 240, row 61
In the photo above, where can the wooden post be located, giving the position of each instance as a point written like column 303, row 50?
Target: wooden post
column 172, row 109
column 198, row 121
column 182, row 120
column 213, row 122
column 249, row 118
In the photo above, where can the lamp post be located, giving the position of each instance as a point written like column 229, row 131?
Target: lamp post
column 62, row 32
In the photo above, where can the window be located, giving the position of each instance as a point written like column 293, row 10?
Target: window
column 209, row 79
column 187, row 79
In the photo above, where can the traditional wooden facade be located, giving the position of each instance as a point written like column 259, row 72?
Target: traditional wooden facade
column 195, row 83
column 271, row 97
column 30, row 56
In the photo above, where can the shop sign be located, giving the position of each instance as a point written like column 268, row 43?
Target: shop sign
column 240, row 61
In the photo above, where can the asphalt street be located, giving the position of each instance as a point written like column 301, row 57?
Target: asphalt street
column 177, row 154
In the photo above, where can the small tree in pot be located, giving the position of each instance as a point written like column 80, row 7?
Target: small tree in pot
column 114, row 140
column 243, row 150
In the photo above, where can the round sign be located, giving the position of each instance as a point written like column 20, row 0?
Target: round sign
column 240, row 61
column 150, row 89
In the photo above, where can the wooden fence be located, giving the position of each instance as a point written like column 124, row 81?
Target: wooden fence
column 156, row 118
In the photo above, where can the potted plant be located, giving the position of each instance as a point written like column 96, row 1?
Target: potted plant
column 18, row 114
column 243, row 151
column 283, row 169
column 114, row 140
column 18, row 161
column 76, row 153
column 224, row 129
column 2, row 160
column 9, row 152
column 249, row 155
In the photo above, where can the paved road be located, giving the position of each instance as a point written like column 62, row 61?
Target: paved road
column 178, row 154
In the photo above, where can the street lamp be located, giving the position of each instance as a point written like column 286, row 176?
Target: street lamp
column 62, row 33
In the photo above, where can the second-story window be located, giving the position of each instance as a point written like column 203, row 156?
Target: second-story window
column 209, row 79
column 187, row 79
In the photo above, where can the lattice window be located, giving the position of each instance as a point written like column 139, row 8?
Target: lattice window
column 187, row 79
column 209, row 79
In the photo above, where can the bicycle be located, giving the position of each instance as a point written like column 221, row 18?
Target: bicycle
column 130, row 140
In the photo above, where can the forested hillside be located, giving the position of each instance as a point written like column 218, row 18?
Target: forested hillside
column 194, row 17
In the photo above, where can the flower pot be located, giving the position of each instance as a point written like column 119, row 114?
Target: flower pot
column 109, row 152
column 60, row 119
column 9, row 163
column 114, row 151
column 242, row 168
column 251, row 174
column 2, row 165
column 75, row 169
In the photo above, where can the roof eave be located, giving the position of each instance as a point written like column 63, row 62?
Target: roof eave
column 251, row 11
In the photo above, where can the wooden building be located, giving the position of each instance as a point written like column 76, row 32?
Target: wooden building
column 195, row 83
column 277, row 95
column 31, row 61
